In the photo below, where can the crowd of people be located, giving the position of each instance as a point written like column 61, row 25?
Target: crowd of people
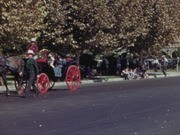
column 137, row 71
column 142, row 66
column 129, row 74
column 131, row 68
column 128, row 68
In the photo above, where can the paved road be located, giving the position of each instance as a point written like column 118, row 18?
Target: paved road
column 136, row 107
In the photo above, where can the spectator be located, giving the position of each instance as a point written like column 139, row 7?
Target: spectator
column 118, row 66
column 105, row 66
column 99, row 67
column 177, row 63
column 133, row 74
column 164, row 63
column 143, row 69
column 125, row 74
column 156, row 64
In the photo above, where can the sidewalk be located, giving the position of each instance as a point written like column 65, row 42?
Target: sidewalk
column 160, row 74
column 100, row 79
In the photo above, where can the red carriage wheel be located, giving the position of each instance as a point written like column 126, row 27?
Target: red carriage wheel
column 43, row 83
column 73, row 77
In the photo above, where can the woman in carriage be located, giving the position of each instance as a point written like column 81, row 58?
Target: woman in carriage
column 57, row 63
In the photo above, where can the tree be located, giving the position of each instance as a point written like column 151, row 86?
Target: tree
column 147, row 26
column 20, row 21
column 162, row 27
column 96, row 26
column 78, row 26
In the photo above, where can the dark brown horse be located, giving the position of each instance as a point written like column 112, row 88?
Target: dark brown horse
column 11, row 66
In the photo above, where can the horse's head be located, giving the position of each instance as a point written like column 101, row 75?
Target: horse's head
column 16, row 63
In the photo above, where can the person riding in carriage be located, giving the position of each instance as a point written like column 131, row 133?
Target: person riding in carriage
column 57, row 63
column 34, row 47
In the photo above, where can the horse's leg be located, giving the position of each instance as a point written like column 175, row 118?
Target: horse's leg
column 20, row 85
column 1, row 81
column 5, row 84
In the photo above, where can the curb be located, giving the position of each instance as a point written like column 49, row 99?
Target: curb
column 100, row 79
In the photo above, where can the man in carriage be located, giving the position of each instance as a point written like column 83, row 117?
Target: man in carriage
column 34, row 47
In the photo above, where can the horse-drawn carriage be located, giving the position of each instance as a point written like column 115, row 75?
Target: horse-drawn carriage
column 47, row 78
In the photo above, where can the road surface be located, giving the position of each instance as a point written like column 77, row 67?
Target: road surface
column 135, row 107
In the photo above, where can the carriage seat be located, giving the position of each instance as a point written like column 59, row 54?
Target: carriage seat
column 56, row 65
column 42, row 60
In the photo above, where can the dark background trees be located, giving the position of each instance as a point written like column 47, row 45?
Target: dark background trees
column 89, row 26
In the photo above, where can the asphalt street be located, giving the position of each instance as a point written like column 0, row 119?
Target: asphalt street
column 135, row 107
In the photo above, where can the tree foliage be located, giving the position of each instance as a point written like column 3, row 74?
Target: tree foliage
column 96, row 26
column 20, row 21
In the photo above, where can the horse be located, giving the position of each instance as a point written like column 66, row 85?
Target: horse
column 14, row 66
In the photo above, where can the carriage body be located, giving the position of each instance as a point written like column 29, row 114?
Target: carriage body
column 70, row 74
